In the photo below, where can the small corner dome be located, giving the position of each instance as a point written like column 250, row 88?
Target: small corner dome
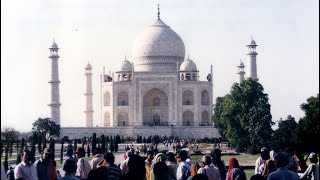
column 54, row 45
column 241, row 63
column 188, row 65
column 89, row 66
column 125, row 65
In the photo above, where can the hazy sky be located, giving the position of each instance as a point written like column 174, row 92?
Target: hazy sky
column 101, row 31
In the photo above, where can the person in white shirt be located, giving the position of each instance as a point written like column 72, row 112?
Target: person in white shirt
column 211, row 172
column 25, row 170
column 83, row 166
column 312, row 171
column 260, row 160
column 183, row 171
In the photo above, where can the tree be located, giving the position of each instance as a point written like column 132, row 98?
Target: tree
column 9, row 134
column 111, row 144
column 94, row 142
column 74, row 145
column 11, row 147
column 61, row 150
column 88, row 149
column 39, row 144
column 33, row 146
column 103, row 143
column 285, row 135
column 309, row 126
column 52, row 148
column 46, row 128
column 243, row 116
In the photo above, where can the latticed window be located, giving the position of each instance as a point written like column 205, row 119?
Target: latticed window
column 156, row 101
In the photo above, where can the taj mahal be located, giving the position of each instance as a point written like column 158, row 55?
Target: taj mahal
column 157, row 92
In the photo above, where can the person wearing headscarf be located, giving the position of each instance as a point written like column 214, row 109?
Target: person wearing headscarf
column 160, row 157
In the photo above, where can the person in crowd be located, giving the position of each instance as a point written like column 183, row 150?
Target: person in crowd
column 183, row 170
column 114, row 171
column 172, row 165
column 160, row 157
column 199, row 177
column 265, row 156
column 269, row 167
column 219, row 163
column 69, row 156
column 234, row 171
column 312, row 171
column 257, row 177
column 282, row 160
column 45, row 168
column 264, row 151
column 3, row 173
column 98, row 157
column 124, row 164
column 194, row 167
column 302, row 165
column 25, row 170
column 98, row 173
column 70, row 168
column 212, row 172
column 137, row 170
column 293, row 163
column 10, row 174
column 161, row 171
column 148, row 163
column 83, row 166
column 54, row 164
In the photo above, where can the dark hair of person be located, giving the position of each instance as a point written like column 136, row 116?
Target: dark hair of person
column 69, row 152
column 282, row 159
column 161, row 171
column 70, row 166
column 200, row 177
column 216, row 160
column 257, row 177
column 171, row 157
column 109, row 157
column 136, row 166
column 98, row 151
column 183, row 155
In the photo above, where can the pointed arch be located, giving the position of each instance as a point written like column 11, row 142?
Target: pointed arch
column 106, row 120
column 204, row 97
column 123, row 119
column 187, row 118
column 187, row 97
column 205, row 120
column 123, row 99
column 106, row 99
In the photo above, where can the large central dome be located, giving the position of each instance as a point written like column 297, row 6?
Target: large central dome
column 158, row 49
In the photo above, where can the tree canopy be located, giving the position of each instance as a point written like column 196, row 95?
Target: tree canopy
column 309, row 125
column 243, row 116
column 46, row 128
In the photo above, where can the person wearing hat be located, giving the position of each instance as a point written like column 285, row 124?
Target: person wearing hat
column 312, row 171
column 282, row 161
column 44, row 166
column 83, row 166
column 212, row 172
column 261, row 160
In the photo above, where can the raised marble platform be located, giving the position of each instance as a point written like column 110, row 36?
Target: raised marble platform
column 182, row 132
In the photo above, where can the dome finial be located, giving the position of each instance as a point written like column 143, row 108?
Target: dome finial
column 188, row 56
column 158, row 11
column 251, row 37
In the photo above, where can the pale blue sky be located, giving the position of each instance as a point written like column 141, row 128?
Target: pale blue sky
column 214, row 32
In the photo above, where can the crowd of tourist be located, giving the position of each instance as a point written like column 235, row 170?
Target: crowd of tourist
column 154, row 165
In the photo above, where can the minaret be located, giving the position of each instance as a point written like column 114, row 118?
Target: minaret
column 252, row 60
column 55, row 94
column 241, row 71
column 88, row 94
